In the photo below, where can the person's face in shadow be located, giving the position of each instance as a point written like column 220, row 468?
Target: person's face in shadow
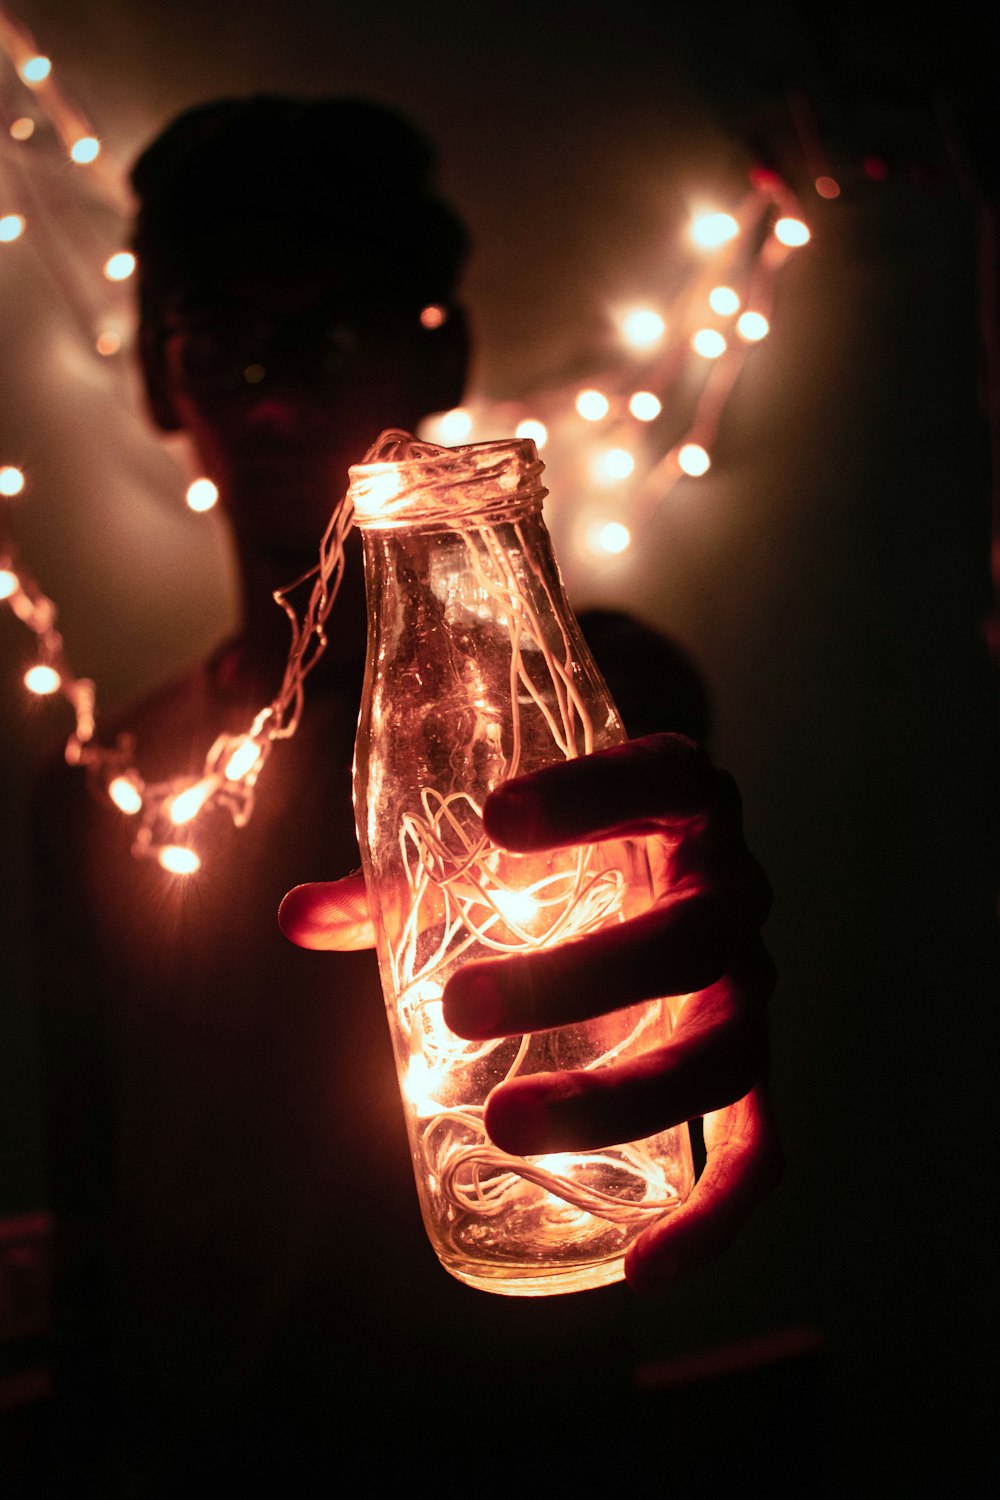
column 283, row 376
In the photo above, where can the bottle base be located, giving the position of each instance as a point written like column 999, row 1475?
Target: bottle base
column 516, row 1281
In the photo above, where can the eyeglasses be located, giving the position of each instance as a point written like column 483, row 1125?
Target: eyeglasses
column 230, row 350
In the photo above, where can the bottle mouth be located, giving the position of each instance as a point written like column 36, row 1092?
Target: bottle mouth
column 405, row 482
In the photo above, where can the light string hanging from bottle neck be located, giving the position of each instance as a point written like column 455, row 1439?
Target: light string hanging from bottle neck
column 167, row 811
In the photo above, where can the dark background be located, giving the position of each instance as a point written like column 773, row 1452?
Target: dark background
column 830, row 575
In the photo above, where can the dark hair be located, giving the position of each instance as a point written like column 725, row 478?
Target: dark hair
column 272, row 179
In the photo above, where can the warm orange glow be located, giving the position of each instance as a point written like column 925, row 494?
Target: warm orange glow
column 9, row 583
column 201, row 494
column 642, row 328
column 189, row 803
column 644, row 406
column 422, row 1083
column 11, row 481
column 178, row 859
column 433, row 315
column 724, row 301
column 108, row 342
column 752, row 327
column 36, row 69
column 377, row 492
column 85, row 150
column 792, row 232
column 119, row 267
column 613, row 537
column 617, row 463
column 125, row 794
column 592, row 405
column 694, row 460
column 22, row 129
column 242, row 759
column 533, row 429
column 42, row 680
column 827, row 187
column 11, row 228
column 709, row 231
column 455, row 425
column 515, row 906
column 708, row 342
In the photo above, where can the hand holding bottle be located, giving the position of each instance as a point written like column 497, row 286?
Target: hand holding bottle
column 700, row 940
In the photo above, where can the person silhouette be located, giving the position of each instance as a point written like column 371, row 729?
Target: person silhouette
column 243, row 1288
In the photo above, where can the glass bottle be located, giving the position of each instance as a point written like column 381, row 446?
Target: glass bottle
column 477, row 672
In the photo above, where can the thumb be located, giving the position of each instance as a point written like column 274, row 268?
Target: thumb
column 328, row 914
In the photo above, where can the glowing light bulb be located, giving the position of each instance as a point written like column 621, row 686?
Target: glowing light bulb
column 108, row 342
column 42, row 680
column 377, row 492
column 9, row 583
column 535, row 430
column 644, row 406
column 515, row 906
column 792, row 232
column 613, row 537
column 433, row 315
column 11, row 228
column 11, row 481
column 616, row 463
column 422, row 1083
column 243, row 759
column 201, row 494
column 642, row 328
column 694, row 460
column 125, row 794
column 752, row 327
column 724, row 301
column 827, row 187
column 85, row 150
column 22, row 129
column 189, row 803
column 119, row 267
column 708, row 342
column 178, row 859
column 456, row 425
column 36, row 69
column 709, row 231
column 592, row 405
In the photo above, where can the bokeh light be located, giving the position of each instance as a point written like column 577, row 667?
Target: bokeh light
column 201, row 494
column 11, row 228
column 455, row 425
column 693, row 460
column 616, row 463
column 433, row 315
column 708, row 342
column 178, row 859
column 42, row 680
column 125, row 794
column 642, row 328
column 724, row 301
column 752, row 327
column 11, row 481
column 709, row 231
column 85, row 150
column 9, row 583
column 108, row 342
column 533, row 429
column 36, row 69
column 612, row 537
column 644, row 406
column 592, row 405
column 827, row 187
column 119, row 267
column 22, row 129
column 792, row 232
